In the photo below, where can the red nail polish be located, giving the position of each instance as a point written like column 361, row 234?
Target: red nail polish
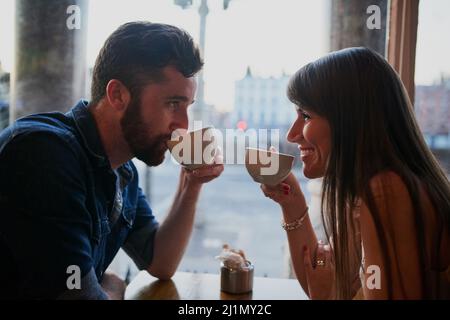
column 305, row 248
column 286, row 192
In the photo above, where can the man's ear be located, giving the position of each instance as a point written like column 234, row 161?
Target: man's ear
column 117, row 95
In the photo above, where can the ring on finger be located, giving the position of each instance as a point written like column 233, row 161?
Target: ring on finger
column 320, row 263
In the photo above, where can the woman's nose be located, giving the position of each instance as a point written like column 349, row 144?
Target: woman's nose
column 295, row 132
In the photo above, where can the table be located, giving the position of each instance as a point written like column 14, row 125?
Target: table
column 204, row 286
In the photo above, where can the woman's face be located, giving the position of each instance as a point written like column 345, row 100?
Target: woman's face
column 312, row 133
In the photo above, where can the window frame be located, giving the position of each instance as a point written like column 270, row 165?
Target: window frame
column 402, row 40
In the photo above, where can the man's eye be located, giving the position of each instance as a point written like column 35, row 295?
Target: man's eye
column 174, row 104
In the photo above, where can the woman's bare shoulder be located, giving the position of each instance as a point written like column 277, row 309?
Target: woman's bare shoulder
column 387, row 179
column 394, row 205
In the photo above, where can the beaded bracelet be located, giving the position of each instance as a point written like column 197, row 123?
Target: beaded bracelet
column 295, row 224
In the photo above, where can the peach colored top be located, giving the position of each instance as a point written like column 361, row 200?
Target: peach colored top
column 397, row 218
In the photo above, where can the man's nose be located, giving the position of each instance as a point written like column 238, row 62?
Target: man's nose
column 181, row 121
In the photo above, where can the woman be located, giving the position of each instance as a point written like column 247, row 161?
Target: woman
column 386, row 201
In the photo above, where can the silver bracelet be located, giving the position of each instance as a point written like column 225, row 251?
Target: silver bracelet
column 295, row 224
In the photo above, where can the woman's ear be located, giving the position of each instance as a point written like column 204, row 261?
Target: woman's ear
column 117, row 95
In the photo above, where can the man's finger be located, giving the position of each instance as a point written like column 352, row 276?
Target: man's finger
column 213, row 170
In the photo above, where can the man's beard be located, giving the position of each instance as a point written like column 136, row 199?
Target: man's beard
column 149, row 150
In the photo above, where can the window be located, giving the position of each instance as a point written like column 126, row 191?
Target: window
column 232, row 209
column 274, row 102
column 432, row 78
column 6, row 59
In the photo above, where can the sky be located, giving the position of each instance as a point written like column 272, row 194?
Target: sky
column 433, row 41
column 270, row 36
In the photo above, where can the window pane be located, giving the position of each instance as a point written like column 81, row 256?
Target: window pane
column 432, row 77
column 245, row 56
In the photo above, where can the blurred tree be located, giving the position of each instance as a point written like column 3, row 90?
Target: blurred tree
column 354, row 23
column 50, row 52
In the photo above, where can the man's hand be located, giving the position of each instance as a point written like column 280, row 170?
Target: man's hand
column 204, row 174
column 113, row 286
column 173, row 234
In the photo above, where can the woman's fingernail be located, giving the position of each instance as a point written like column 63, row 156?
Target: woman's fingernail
column 286, row 192
column 305, row 248
column 286, row 187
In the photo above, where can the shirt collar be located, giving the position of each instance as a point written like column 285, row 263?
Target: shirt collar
column 90, row 137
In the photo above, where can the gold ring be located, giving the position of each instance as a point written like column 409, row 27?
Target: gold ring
column 320, row 263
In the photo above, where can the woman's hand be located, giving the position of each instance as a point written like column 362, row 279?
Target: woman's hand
column 319, row 272
column 285, row 193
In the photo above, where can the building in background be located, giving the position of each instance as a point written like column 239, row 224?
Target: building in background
column 432, row 109
column 262, row 102
column 348, row 20
column 50, row 56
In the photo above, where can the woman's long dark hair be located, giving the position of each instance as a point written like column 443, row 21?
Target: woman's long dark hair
column 373, row 129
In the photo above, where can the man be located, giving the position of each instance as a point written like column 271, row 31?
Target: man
column 69, row 195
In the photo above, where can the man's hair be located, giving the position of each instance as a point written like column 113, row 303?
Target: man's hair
column 136, row 53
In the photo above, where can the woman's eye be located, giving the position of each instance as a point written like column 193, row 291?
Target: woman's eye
column 305, row 115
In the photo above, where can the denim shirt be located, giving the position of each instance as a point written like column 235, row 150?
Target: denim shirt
column 62, row 205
